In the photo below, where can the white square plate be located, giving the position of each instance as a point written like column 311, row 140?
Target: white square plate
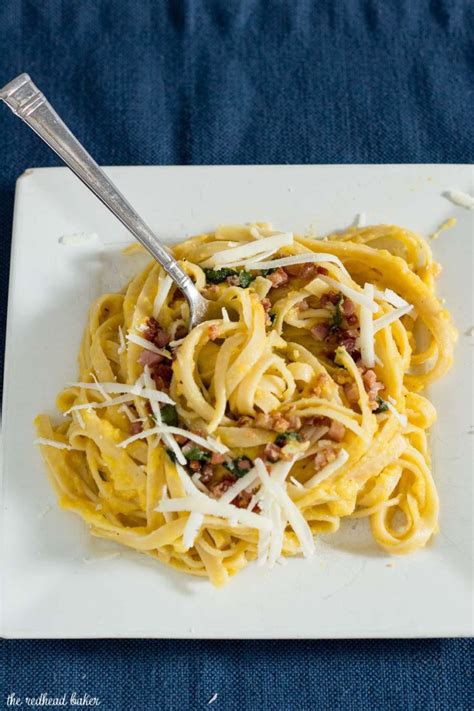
column 60, row 582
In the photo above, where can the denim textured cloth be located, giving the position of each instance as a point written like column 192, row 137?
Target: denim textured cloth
column 241, row 81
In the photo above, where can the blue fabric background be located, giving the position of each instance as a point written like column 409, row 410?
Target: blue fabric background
column 249, row 81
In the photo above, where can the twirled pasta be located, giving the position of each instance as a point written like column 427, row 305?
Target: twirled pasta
column 299, row 398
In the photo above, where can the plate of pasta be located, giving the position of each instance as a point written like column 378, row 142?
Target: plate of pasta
column 291, row 442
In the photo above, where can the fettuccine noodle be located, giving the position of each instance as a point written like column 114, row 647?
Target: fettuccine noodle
column 296, row 404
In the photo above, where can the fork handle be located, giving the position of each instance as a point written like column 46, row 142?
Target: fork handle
column 27, row 102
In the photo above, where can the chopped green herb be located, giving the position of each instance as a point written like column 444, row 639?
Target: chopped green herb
column 285, row 437
column 337, row 316
column 235, row 466
column 217, row 276
column 169, row 415
column 245, row 278
column 196, row 454
column 266, row 272
column 272, row 317
column 383, row 407
column 171, row 455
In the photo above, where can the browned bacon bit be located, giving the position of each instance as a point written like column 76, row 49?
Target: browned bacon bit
column 162, row 338
column 195, row 465
column 303, row 305
column 352, row 332
column 217, row 458
column 321, row 382
column 348, row 307
column 151, row 329
column 308, row 271
column 351, row 392
column 352, row 320
column 302, row 271
column 207, row 472
column 242, row 500
column 325, row 456
column 276, row 422
column 264, row 421
column 320, row 331
column 181, row 439
column 136, row 427
column 267, row 304
column 245, row 464
column 233, row 280
column 294, row 422
column 372, row 386
column 272, row 452
column 180, row 332
column 213, row 332
column 293, row 269
column 150, row 358
column 210, row 290
column 305, row 432
column 162, row 375
column 278, row 278
column 156, row 334
column 280, row 423
column 222, row 486
column 320, row 420
column 336, row 431
column 349, row 343
column 245, row 421
column 330, row 297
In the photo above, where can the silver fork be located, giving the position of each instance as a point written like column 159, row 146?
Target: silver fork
column 27, row 102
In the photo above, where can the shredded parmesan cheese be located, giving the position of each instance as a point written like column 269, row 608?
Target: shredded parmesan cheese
column 211, row 507
column 391, row 297
column 253, row 502
column 175, row 344
column 127, row 411
column 191, row 529
column 401, row 418
column 52, row 443
column 304, row 258
column 367, row 346
column 278, row 520
column 123, row 346
column 136, row 390
column 110, row 402
column 164, row 495
column 358, row 297
column 457, row 197
column 389, row 318
column 147, row 345
column 207, row 443
column 296, row 483
column 78, row 417
column 100, row 388
column 196, row 479
column 291, row 511
column 164, row 285
column 238, row 255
